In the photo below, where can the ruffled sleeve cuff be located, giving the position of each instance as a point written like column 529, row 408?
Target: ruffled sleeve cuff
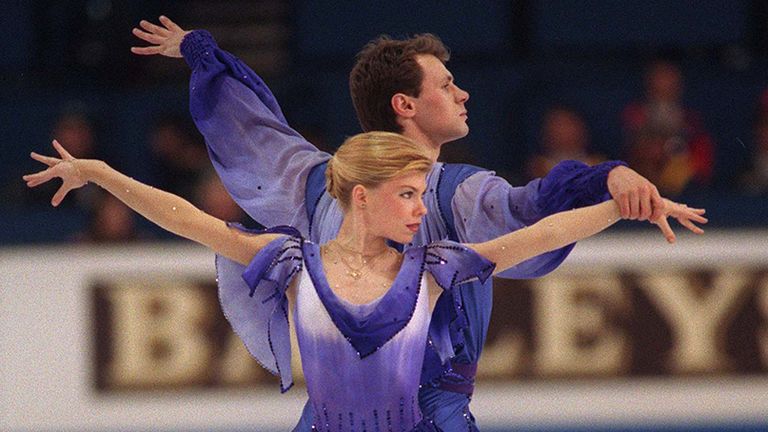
column 195, row 46
column 597, row 181
column 253, row 299
column 452, row 264
column 572, row 184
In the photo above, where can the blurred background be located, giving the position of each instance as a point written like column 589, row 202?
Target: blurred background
column 677, row 89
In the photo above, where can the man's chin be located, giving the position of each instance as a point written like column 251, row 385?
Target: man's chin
column 457, row 136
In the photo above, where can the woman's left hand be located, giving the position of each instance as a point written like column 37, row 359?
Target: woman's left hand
column 685, row 215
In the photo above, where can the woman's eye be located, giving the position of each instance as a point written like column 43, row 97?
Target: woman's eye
column 406, row 194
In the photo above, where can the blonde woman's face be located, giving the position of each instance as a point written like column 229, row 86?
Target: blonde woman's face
column 395, row 208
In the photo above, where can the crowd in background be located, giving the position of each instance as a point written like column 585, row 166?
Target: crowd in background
column 661, row 135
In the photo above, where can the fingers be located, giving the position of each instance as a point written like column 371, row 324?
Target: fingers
column 697, row 217
column 59, row 196
column 688, row 216
column 50, row 161
column 170, row 25
column 153, row 28
column 62, row 152
column 685, row 216
column 682, row 211
column 634, row 206
column 623, row 202
column 150, row 50
column 658, row 204
column 645, row 204
column 688, row 224
column 148, row 37
column 38, row 178
column 666, row 230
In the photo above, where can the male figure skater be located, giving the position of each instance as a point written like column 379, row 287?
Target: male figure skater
column 400, row 86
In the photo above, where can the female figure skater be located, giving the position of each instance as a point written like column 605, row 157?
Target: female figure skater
column 403, row 86
column 362, row 309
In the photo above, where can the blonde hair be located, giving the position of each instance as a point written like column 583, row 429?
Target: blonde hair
column 370, row 159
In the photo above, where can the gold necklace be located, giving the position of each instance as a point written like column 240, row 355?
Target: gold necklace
column 356, row 272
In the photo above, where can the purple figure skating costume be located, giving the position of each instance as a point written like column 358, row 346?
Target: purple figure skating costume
column 362, row 363
column 277, row 177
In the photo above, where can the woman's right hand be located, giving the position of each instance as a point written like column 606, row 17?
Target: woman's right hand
column 66, row 168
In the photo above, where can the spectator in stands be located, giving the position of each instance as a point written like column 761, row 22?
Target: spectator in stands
column 110, row 221
column 564, row 136
column 179, row 156
column 666, row 141
column 211, row 197
column 76, row 131
column 755, row 180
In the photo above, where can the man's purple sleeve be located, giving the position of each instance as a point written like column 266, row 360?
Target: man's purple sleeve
column 262, row 162
column 486, row 206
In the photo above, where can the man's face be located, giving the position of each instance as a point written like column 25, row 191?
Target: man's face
column 439, row 110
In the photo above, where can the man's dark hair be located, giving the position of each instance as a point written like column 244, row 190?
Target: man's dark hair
column 384, row 67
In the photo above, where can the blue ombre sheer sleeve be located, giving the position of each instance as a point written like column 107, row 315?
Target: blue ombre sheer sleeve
column 261, row 160
column 486, row 206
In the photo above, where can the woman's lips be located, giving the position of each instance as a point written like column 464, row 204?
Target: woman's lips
column 414, row 227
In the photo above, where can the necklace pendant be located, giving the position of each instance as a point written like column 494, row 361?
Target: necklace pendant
column 355, row 274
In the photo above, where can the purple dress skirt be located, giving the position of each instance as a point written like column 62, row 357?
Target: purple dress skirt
column 362, row 362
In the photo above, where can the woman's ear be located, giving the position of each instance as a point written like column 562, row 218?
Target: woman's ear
column 403, row 105
column 359, row 196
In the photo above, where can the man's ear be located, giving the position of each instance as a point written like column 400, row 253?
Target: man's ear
column 403, row 105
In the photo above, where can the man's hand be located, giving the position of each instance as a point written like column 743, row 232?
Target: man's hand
column 638, row 199
column 165, row 39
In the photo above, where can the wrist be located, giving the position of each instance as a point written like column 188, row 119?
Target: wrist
column 615, row 211
column 601, row 179
column 614, row 168
column 613, row 171
column 88, row 169
column 195, row 46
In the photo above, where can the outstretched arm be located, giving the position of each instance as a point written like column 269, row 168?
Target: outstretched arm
column 164, row 209
column 262, row 161
column 486, row 206
column 566, row 227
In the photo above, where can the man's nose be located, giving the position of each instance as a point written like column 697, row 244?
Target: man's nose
column 462, row 95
